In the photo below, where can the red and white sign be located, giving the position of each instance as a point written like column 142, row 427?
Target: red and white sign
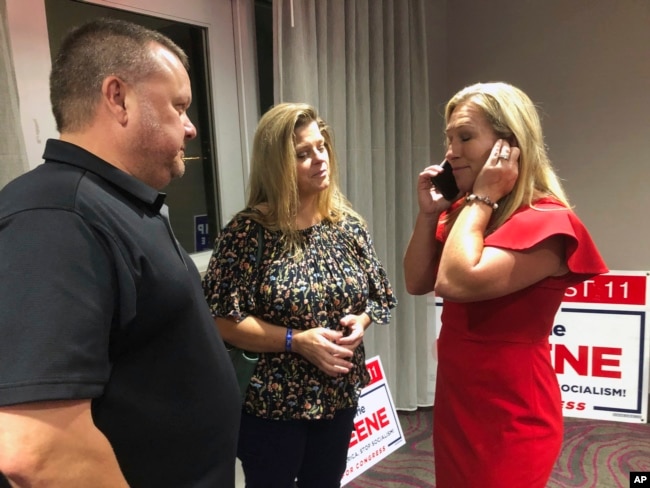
column 600, row 347
column 377, row 431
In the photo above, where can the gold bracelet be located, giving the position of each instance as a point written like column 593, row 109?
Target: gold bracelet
column 485, row 200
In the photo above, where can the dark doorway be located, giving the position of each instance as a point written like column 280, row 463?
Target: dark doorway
column 264, row 40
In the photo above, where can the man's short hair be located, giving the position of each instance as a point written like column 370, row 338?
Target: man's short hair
column 90, row 53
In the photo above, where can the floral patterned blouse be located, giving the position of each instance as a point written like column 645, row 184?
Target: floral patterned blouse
column 338, row 274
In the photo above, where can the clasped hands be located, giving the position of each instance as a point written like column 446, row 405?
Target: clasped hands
column 331, row 350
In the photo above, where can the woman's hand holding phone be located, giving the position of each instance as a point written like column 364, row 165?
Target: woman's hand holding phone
column 430, row 198
column 445, row 182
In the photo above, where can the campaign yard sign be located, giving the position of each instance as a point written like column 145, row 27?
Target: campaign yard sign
column 377, row 431
column 600, row 347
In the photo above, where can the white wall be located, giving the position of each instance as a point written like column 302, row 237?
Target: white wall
column 586, row 63
column 437, row 58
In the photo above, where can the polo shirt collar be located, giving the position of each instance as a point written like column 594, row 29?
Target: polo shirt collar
column 67, row 153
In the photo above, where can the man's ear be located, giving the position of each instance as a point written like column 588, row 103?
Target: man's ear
column 114, row 97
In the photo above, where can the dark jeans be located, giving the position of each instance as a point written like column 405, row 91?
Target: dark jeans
column 289, row 453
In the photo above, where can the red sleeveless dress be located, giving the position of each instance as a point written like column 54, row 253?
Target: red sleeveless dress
column 497, row 413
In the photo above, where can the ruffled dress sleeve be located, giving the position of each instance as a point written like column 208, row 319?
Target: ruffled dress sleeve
column 381, row 298
column 529, row 226
column 230, row 281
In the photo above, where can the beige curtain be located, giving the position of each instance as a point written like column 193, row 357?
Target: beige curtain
column 363, row 64
column 13, row 156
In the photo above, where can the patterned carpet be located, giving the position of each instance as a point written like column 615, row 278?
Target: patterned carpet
column 595, row 454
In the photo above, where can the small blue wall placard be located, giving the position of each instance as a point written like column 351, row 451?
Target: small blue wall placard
column 201, row 233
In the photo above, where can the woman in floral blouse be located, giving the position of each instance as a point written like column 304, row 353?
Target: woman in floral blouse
column 304, row 306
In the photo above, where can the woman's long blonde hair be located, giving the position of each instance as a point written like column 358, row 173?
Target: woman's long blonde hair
column 273, row 183
column 513, row 117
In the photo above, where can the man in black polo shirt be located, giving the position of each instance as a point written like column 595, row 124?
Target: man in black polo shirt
column 112, row 372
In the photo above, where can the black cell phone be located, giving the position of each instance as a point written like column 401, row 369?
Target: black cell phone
column 445, row 182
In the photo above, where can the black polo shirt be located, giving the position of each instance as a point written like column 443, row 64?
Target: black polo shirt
column 99, row 301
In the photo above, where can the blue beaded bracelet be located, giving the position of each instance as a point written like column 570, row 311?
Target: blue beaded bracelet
column 288, row 338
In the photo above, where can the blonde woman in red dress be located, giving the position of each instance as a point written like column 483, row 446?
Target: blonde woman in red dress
column 500, row 254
